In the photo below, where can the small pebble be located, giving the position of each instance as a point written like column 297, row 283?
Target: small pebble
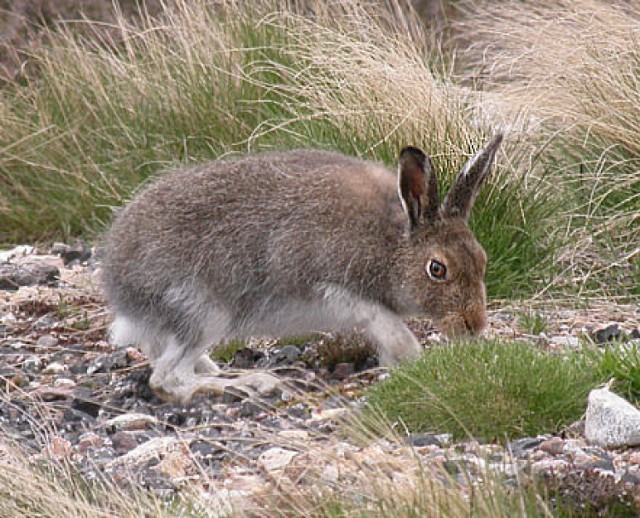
column 554, row 446
column 276, row 458
column 89, row 440
column 32, row 363
column 55, row 368
column 133, row 421
column 46, row 341
column 64, row 383
column 124, row 442
column 565, row 340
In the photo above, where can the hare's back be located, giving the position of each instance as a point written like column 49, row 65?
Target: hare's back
column 257, row 211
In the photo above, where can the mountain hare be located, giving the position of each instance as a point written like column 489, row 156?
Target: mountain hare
column 287, row 243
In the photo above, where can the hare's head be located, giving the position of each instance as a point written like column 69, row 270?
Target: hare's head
column 444, row 264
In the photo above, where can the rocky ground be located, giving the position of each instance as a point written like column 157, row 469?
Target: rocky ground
column 68, row 394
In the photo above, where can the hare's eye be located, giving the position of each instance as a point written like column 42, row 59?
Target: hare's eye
column 436, row 270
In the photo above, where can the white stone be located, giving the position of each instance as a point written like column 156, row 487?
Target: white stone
column 611, row 421
column 567, row 341
column 55, row 368
column 132, row 421
column 20, row 250
column 276, row 458
column 64, row 383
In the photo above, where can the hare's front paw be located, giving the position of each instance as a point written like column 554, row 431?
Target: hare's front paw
column 395, row 340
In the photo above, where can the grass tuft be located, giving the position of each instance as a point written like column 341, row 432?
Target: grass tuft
column 569, row 69
column 491, row 390
column 532, row 322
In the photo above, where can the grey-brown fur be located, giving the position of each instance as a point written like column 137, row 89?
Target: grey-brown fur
column 286, row 243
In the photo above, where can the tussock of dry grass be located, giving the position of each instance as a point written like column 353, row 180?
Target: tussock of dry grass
column 570, row 70
column 50, row 488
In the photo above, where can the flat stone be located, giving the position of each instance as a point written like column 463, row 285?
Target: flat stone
column 330, row 413
column 276, row 458
column 46, row 341
column 17, row 251
column 611, row 421
column 132, row 421
column 29, row 272
column 48, row 394
column 296, row 435
column 64, row 383
column 154, row 448
column 520, row 447
column 423, row 439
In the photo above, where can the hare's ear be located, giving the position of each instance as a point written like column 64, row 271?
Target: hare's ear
column 417, row 186
column 460, row 198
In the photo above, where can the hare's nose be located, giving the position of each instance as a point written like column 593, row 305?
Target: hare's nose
column 475, row 320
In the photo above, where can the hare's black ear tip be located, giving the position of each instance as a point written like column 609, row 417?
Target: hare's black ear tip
column 412, row 152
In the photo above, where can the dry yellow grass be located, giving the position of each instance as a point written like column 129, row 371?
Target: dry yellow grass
column 568, row 71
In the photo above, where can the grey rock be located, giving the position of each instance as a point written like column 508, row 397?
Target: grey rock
column 611, row 421
column 249, row 409
column 610, row 333
column 12, row 275
column 75, row 255
column 32, row 363
column 124, row 442
column 246, row 358
column 520, row 447
column 46, row 341
column 285, row 356
column 423, row 439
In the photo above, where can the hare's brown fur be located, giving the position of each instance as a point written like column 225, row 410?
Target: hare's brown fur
column 284, row 243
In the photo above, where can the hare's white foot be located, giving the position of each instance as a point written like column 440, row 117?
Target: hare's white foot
column 183, row 388
column 395, row 340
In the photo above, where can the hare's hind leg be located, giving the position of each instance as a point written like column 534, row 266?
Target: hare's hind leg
column 180, row 372
column 183, row 368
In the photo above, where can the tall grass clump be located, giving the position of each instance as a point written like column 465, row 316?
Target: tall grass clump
column 103, row 111
column 488, row 389
column 572, row 67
